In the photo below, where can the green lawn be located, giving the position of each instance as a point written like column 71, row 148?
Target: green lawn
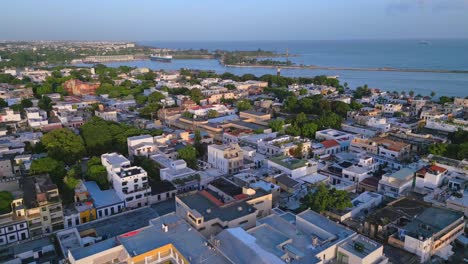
column 5, row 202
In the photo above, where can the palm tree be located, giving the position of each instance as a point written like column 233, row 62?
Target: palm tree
column 433, row 94
column 411, row 93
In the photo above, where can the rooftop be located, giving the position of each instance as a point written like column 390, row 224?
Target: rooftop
column 102, row 198
column 288, row 162
column 360, row 246
column 210, row 207
column 431, row 221
column 179, row 233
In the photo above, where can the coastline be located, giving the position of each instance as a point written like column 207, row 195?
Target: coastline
column 342, row 68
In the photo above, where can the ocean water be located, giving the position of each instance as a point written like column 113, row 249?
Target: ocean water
column 402, row 54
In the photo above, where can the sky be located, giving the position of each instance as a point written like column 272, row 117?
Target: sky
column 232, row 20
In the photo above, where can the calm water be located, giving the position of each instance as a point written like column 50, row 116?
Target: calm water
column 407, row 54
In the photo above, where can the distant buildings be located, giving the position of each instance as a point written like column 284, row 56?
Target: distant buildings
column 77, row 87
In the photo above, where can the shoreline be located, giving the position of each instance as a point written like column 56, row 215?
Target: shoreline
column 310, row 67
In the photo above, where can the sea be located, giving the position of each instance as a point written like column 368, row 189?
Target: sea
column 439, row 54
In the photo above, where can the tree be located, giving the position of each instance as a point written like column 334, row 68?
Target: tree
column 301, row 118
column 187, row 114
column 45, row 103
column 324, row 199
column 433, row 94
column 309, row 129
column 276, row 125
column 196, row 95
column 411, row 93
column 293, row 130
column 3, row 103
column 5, row 202
column 62, row 144
column 303, row 92
column 212, row 113
column 198, row 144
column 297, row 151
column 98, row 174
column 230, row 86
column 25, row 103
column 243, row 105
column 189, row 154
column 340, row 108
column 445, row 99
column 361, row 92
column 155, row 97
column 55, row 168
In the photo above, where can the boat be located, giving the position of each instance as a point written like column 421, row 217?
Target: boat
column 424, row 42
column 162, row 58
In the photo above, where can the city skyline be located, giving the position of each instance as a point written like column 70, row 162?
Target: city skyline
column 209, row 20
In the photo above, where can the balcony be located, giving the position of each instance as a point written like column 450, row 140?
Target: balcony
column 56, row 220
column 35, row 225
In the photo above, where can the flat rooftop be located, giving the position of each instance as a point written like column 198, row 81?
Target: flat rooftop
column 209, row 209
column 431, row 221
column 360, row 246
column 120, row 223
column 288, row 162
column 187, row 240
column 102, row 198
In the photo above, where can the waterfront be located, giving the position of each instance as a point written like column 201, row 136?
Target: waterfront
column 400, row 54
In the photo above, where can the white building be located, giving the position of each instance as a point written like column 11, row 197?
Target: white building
column 36, row 117
column 430, row 177
column 227, row 158
column 294, row 168
column 332, row 134
column 8, row 115
column 394, row 184
column 360, row 250
column 114, row 163
column 131, row 185
column 141, row 146
column 172, row 169
column 392, row 108
column 379, row 123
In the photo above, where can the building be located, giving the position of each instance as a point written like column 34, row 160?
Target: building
column 223, row 205
column 283, row 145
column 430, row 177
column 226, row 158
column 171, row 170
column 344, row 139
column 294, row 168
column 107, row 114
column 6, row 170
column 395, row 184
column 285, row 238
column 8, row 115
column 77, row 87
column 36, row 117
column 114, row 162
column 40, row 204
column 167, row 239
column 131, row 185
column 141, row 146
column 430, row 233
column 384, row 222
column 13, row 228
column 361, row 204
column 106, row 202
column 360, row 250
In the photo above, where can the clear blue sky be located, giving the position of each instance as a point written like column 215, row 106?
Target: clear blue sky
column 198, row 20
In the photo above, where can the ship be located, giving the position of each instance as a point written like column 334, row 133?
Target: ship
column 162, row 58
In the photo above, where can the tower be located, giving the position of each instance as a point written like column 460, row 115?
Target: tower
column 278, row 71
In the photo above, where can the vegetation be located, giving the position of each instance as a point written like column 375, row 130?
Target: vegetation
column 96, row 172
column 324, row 199
column 62, row 144
column 189, row 154
column 5, row 202
column 457, row 149
column 276, row 125
column 244, row 105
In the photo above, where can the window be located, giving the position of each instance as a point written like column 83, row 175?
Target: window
column 10, row 228
column 136, row 180
column 124, row 183
column 44, row 209
column 45, row 218
column 138, row 196
column 12, row 237
column 243, row 222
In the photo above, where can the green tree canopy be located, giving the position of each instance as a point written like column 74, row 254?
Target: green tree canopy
column 243, row 105
column 327, row 199
column 189, row 154
column 276, row 125
column 62, row 144
column 5, row 202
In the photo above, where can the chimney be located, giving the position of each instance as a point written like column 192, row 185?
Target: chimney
column 165, row 228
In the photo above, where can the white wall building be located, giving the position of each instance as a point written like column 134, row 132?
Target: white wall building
column 131, row 185
column 227, row 158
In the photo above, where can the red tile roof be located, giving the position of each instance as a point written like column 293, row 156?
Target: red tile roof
column 330, row 143
column 211, row 198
